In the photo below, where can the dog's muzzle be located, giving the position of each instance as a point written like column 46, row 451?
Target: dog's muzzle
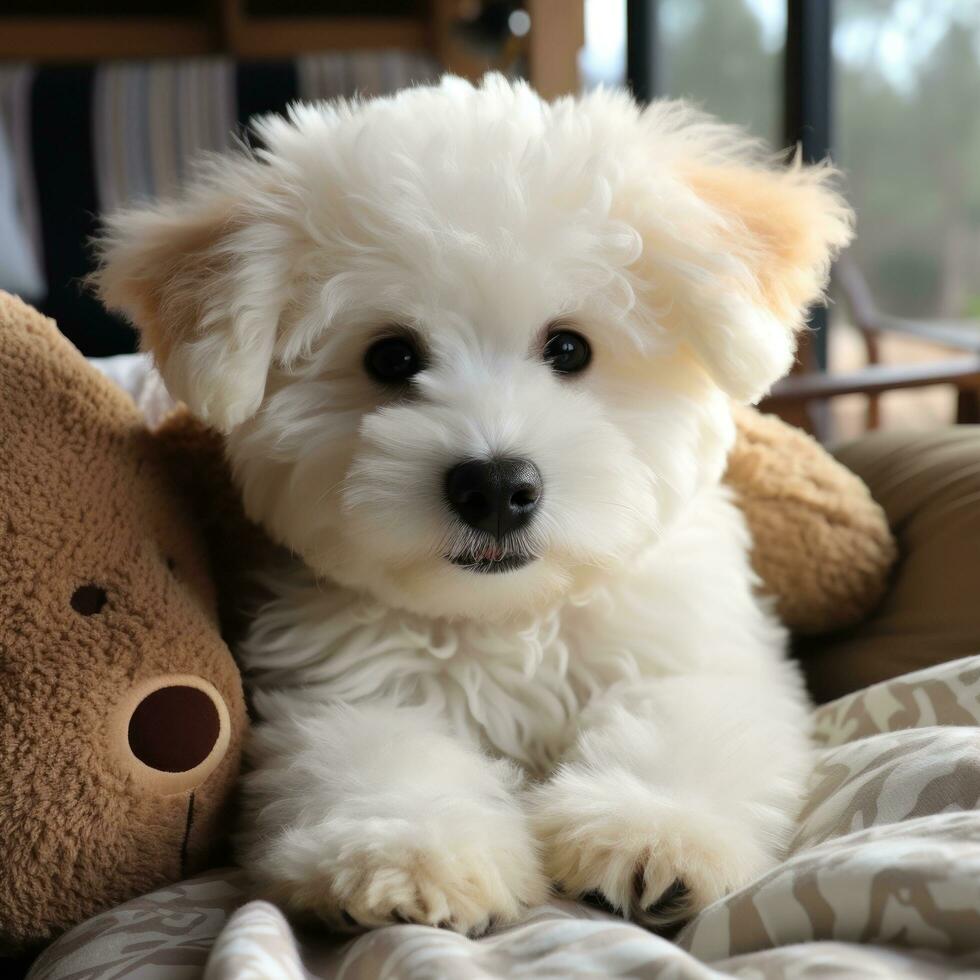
column 497, row 497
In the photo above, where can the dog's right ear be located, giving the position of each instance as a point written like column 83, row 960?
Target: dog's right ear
column 204, row 283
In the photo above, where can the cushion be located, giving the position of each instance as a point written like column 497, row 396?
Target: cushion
column 929, row 485
column 882, row 879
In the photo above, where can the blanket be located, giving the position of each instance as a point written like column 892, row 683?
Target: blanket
column 882, row 879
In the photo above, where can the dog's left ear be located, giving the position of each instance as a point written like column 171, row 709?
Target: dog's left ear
column 202, row 278
column 778, row 229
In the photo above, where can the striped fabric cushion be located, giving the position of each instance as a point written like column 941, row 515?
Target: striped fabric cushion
column 88, row 138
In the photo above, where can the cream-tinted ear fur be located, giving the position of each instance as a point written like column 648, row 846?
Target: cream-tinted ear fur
column 202, row 279
column 735, row 243
column 783, row 225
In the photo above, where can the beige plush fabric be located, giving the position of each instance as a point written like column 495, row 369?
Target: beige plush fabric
column 821, row 544
column 194, row 455
column 121, row 709
column 929, row 485
column 883, row 879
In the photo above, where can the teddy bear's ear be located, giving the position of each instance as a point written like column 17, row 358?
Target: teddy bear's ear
column 195, row 458
column 203, row 280
column 778, row 228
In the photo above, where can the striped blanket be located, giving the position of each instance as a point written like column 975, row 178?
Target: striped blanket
column 84, row 139
column 882, row 880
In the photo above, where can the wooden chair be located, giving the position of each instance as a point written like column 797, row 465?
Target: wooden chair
column 799, row 398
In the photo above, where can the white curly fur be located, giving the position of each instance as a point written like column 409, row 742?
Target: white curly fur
column 438, row 745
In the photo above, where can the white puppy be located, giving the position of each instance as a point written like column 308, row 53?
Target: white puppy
column 474, row 356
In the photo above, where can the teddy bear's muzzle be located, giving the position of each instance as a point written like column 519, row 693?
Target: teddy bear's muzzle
column 170, row 733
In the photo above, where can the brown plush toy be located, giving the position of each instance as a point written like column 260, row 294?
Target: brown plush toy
column 820, row 544
column 121, row 709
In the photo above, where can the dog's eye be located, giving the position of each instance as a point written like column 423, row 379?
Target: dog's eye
column 567, row 352
column 392, row 360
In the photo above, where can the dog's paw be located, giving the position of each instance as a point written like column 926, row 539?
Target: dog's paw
column 657, row 860
column 355, row 874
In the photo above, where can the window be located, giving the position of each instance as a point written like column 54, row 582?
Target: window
column 907, row 134
column 727, row 56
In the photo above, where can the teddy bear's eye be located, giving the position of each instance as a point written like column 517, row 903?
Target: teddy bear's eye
column 87, row 600
column 393, row 360
column 171, row 564
column 567, row 352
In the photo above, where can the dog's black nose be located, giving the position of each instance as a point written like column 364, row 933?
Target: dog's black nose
column 495, row 495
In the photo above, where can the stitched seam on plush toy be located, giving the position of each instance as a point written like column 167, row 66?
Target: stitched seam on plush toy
column 187, row 836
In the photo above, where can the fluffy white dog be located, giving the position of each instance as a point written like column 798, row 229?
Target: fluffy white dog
column 474, row 356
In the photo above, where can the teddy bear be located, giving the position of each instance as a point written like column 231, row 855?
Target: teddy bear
column 821, row 545
column 126, row 569
column 121, row 708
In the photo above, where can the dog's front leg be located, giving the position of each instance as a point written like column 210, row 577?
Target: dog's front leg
column 373, row 814
column 676, row 792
